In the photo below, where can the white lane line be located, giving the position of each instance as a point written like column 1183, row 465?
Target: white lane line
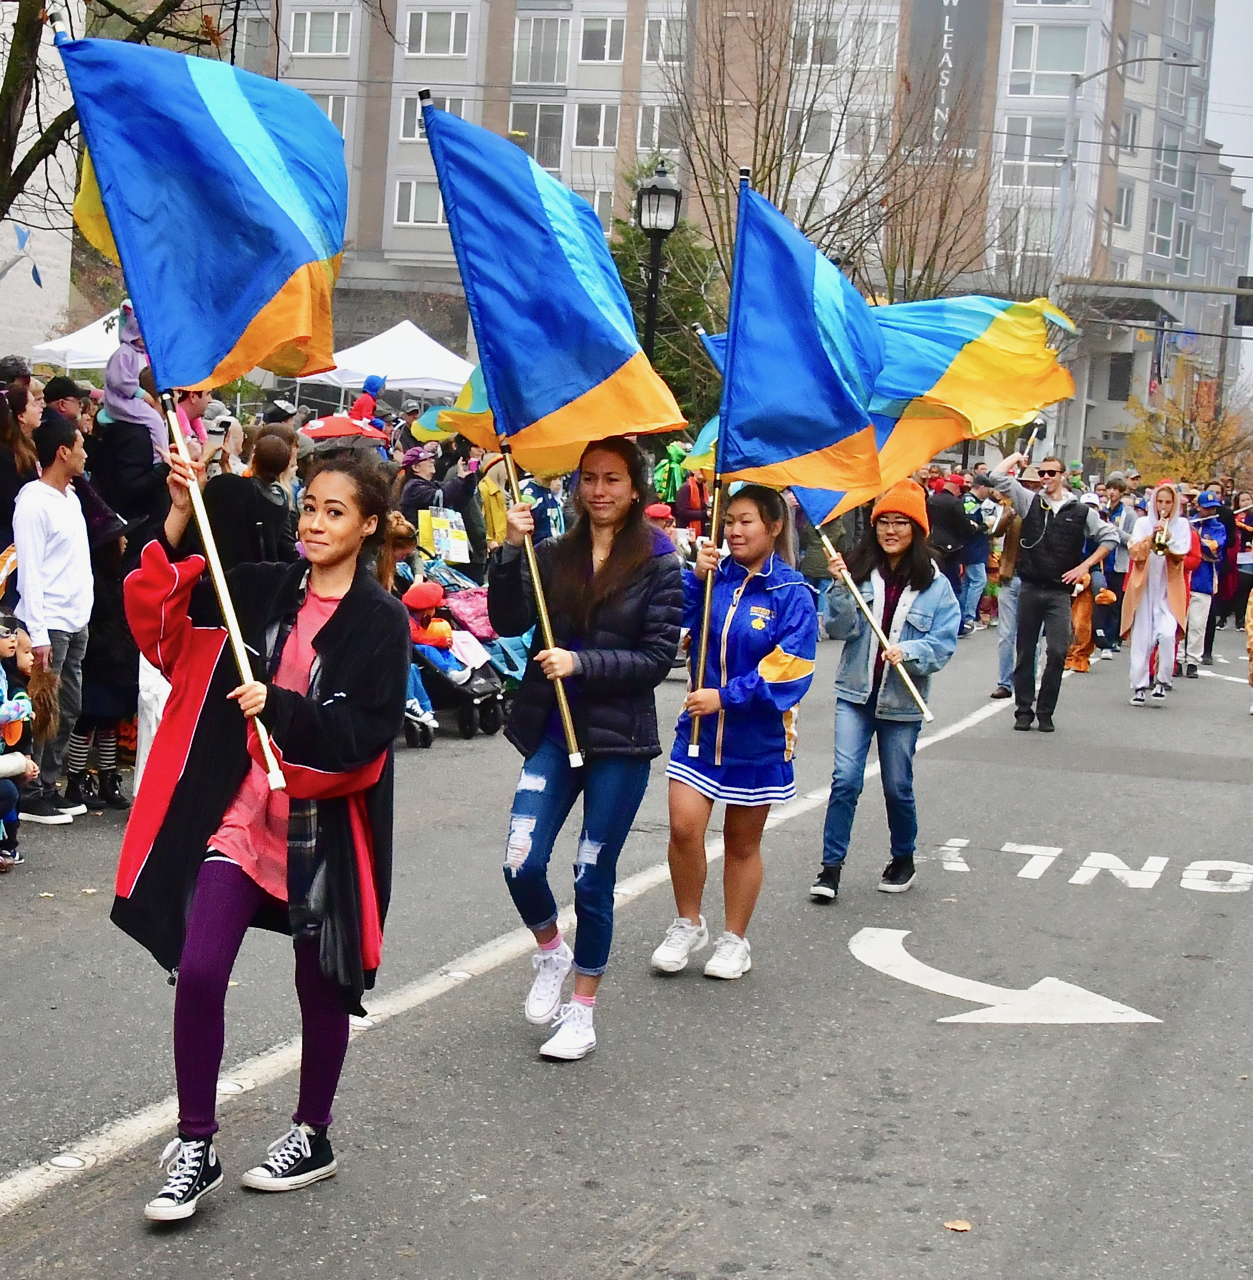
column 122, row 1136
column 1217, row 675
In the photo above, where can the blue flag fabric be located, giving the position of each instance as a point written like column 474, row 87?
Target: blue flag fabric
column 802, row 355
column 223, row 195
column 554, row 328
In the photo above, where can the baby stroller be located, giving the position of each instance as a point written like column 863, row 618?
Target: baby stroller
column 455, row 668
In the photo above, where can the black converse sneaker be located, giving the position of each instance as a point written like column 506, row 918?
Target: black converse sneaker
column 299, row 1157
column 898, row 875
column 191, row 1172
column 827, row 887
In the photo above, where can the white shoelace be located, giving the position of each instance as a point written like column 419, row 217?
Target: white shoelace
column 679, row 932
column 548, row 968
column 727, row 946
column 573, row 1013
column 181, row 1161
column 289, row 1150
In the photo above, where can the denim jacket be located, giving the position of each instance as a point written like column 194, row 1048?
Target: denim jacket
column 924, row 625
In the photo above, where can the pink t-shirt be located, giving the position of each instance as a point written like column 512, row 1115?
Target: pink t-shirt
column 253, row 833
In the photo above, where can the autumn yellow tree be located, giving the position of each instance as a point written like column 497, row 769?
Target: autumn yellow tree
column 1192, row 438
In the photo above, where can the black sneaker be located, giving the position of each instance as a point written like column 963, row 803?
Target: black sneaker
column 1190, row 672
column 1022, row 720
column 898, row 876
column 1207, row 659
column 298, row 1158
column 80, row 789
column 827, row 887
column 44, row 810
column 1044, row 723
column 193, row 1171
column 75, row 808
column 111, row 794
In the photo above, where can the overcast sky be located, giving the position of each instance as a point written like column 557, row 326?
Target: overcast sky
column 1231, row 90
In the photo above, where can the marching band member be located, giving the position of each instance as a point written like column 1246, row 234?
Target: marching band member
column 1154, row 605
column 763, row 637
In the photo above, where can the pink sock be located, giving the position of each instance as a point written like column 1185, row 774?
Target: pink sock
column 551, row 946
column 590, row 1001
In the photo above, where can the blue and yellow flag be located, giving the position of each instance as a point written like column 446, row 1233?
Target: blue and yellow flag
column 223, row 196
column 802, row 355
column 560, row 361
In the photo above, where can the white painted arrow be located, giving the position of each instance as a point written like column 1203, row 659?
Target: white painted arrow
column 1049, row 1000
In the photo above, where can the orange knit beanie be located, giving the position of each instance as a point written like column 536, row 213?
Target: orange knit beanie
column 904, row 499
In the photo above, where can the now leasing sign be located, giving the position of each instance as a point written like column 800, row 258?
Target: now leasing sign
column 948, row 55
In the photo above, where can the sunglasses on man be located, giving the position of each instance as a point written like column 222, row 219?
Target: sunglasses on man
column 1046, row 472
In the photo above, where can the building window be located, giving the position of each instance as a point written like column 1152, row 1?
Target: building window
column 1199, row 259
column 1183, row 248
column 1137, row 47
column 437, row 33
column 1178, row 21
column 1121, row 366
column 1161, row 227
column 1026, row 242
column 603, row 39
column 256, row 39
column 1033, row 151
column 815, row 43
column 537, row 127
column 1174, row 89
column 1217, row 222
column 320, row 32
column 1120, row 268
column 873, row 45
column 596, row 125
column 659, row 129
column 602, row 203
column 1166, row 155
column 1044, row 58
column 809, row 132
column 1207, row 197
column 1202, row 40
column 1187, row 183
column 1129, row 134
column 413, row 127
column 867, row 134
column 1107, row 228
column 1124, row 206
column 418, row 204
column 1195, row 115
column 333, row 104
column 541, row 51
column 663, row 40
column 1114, row 136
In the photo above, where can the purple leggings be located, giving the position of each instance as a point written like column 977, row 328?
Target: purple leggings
column 224, row 904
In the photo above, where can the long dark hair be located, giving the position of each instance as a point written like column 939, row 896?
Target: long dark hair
column 575, row 591
column 916, row 564
column 11, row 436
column 772, row 509
column 373, row 494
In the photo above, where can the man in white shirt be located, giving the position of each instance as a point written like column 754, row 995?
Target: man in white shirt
column 55, row 595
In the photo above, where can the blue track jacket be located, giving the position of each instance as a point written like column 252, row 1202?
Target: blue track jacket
column 763, row 638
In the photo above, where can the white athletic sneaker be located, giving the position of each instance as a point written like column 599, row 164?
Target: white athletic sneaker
column 1105, row 655
column 551, row 968
column 732, row 958
column 575, row 1038
column 682, row 939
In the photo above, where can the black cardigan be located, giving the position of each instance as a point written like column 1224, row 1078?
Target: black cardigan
column 624, row 655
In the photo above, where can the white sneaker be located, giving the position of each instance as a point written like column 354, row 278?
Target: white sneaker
column 682, row 939
column 732, row 958
column 1105, row 655
column 575, row 1038
column 551, row 968
column 428, row 717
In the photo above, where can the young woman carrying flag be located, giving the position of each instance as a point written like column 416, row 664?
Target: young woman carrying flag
column 762, row 640
column 211, row 851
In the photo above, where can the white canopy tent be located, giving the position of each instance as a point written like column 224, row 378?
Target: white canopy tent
column 409, row 359
column 88, row 348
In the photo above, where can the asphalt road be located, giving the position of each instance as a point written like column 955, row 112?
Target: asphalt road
column 813, row 1119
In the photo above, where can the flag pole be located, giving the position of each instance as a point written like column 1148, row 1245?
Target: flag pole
column 273, row 773
column 541, row 606
column 698, row 680
column 847, row 579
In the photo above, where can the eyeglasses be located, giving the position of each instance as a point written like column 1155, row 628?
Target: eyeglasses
column 1045, row 472
column 898, row 525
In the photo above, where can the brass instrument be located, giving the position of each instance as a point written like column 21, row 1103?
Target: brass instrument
column 1161, row 541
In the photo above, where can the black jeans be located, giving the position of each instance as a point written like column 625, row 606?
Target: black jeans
column 1107, row 618
column 1048, row 607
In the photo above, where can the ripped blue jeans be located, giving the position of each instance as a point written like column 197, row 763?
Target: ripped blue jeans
column 612, row 788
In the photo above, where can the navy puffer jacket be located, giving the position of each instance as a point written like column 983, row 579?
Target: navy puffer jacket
column 624, row 655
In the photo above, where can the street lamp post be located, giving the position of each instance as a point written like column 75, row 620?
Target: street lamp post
column 1066, row 182
column 656, row 214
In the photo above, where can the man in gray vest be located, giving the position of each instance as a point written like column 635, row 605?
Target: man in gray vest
column 1056, row 530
